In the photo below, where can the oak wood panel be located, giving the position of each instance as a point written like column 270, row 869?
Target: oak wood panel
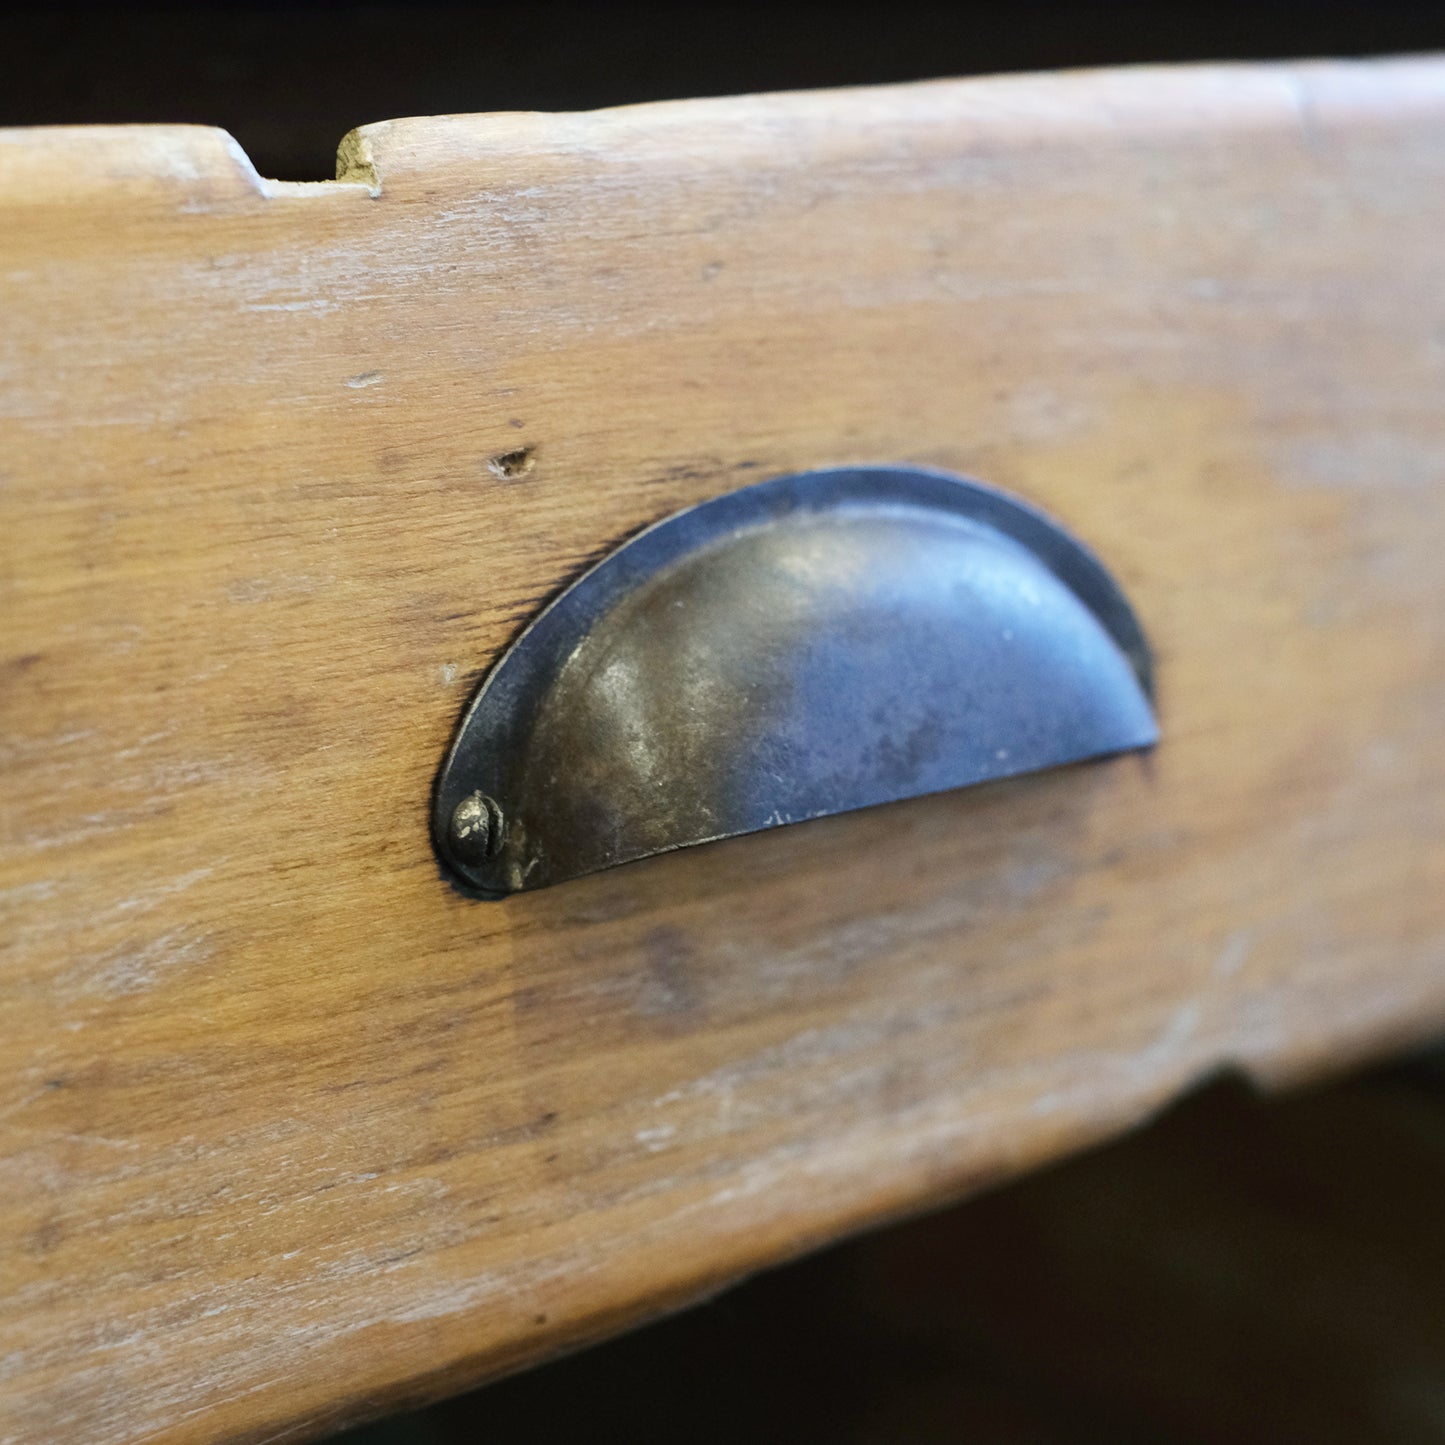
column 289, row 1130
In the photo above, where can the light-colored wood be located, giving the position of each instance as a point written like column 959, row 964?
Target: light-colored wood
column 1243, row 1271
column 289, row 1131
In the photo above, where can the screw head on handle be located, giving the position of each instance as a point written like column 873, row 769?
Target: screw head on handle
column 476, row 828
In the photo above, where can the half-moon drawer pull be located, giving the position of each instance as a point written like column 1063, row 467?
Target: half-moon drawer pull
column 807, row 646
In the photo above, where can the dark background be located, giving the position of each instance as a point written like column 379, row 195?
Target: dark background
column 288, row 81
column 1243, row 1271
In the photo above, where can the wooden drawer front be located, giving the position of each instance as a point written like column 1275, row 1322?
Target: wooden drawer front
column 290, row 1129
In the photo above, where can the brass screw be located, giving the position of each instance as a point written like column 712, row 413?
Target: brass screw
column 476, row 829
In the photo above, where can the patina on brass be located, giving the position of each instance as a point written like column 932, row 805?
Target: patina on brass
column 807, row 646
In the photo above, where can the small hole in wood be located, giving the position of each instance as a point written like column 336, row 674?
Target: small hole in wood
column 511, row 465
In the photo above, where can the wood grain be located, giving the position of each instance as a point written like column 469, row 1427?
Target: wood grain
column 291, row 1132
column 1243, row 1271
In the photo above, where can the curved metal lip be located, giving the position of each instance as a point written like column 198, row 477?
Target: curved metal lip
column 519, row 679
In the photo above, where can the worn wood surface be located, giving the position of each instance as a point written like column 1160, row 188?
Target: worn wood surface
column 289, row 1131
column 1243, row 1271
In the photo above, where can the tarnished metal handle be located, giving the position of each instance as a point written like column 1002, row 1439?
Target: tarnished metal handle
column 807, row 646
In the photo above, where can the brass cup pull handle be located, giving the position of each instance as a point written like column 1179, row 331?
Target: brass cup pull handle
column 807, row 646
